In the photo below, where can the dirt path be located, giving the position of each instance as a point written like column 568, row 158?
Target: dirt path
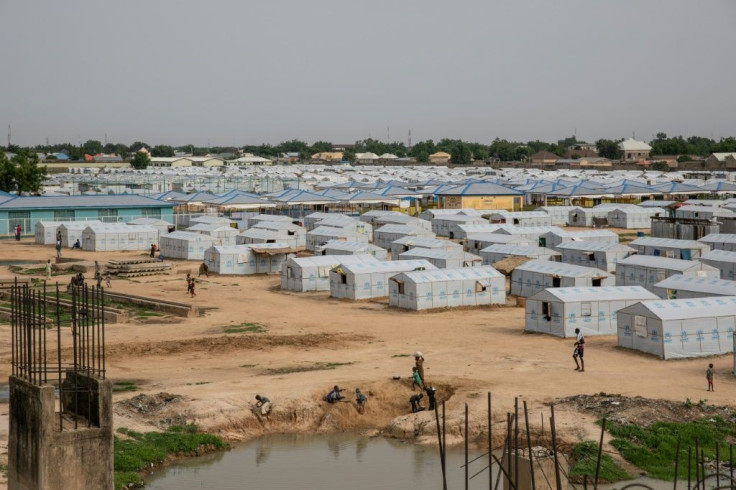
column 471, row 350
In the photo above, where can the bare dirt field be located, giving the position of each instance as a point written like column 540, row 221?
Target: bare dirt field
column 192, row 370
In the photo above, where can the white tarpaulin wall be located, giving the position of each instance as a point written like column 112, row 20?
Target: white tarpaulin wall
column 723, row 260
column 294, row 232
column 720, row 241
column 521, row 218
column 72, row 231
column 402, row 245
column 669, row 247
column 185, row 245
column 224, row 234
column 600, row 255
column 243, row 259
column 559, row 215
column 447, row 288
column 556, row 237
column 475, row 242
column 559, row 311
column 385, row 235
column 162, row 226
column 346, row 222
column 262, row 235
column 118, row 236
column 534, row 276
column 313, row 273
column 633, row 217
column 339, row 247
column 364, row 281
column 679, row 328
column 446, row 225
column 646, row 270
column 45, row 231
column 323, row 234
column 443, row 259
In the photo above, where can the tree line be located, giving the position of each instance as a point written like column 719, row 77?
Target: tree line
column 461, row 152
column 21, row 174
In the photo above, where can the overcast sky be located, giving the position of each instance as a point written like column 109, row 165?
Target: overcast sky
column 236, row 72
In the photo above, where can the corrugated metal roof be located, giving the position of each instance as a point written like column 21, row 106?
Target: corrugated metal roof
column 332, row 260
column 351, row 246
column 63, row 202
column 576, row 295
column 707, row 285
column 439, row 253
column 719, row 256
column 719, row 238
column 560, row 269
column 388, row 266
column 479, row 189
column 648, row 241
column 332, row 231
column 594, row 246
column 663, row 263
column 530, row 251
column 684, row 309
column 406, row 229
column 188, row 235
column 426, row 242
column 439, row 275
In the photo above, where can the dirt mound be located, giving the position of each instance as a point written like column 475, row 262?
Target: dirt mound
column 228, row 343
column 160, row 410
column 645, row 411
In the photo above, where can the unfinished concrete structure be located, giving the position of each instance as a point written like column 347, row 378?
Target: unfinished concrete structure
column 71, row 448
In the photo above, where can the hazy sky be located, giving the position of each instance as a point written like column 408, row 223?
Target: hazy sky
column 238, row 71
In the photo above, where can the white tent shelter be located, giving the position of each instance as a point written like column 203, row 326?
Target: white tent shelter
column 71, row 231
column 311, row 221
column 225, row 235
column 495, row 253
column 633, row 217
column 555, row 237
column 118, row 236
column 296, row 233
column 521, row 218
column 45, row 231
column 323, row 234
column 447, row 225
column 679, row 328
column 387, row 234
column 720, row 241
column 586, row 216
column 401, row 219
column 162, row 226
column 210, row 220
column 364, row 281
column 559, row 215
column 531, row 233
column 340, row 247
column 559, row 311
column 669, row 247
column 262, row 235
column 313, row 273
column 536, row 275
column 647, row 270
column 683, row 287
column 723, row 260
column 447, row 288
column 185, row 245
column 443, row 259
column 475, row 242
column 252, row 220
column 404, row 244
column 601, row 255
column 263, row 258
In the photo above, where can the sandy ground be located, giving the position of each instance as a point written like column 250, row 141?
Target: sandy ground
column 468, row 352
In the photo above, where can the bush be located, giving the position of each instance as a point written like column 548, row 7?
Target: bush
column 585, row 455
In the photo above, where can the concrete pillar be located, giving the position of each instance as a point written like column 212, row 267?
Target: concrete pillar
column 42, row 456
column 544, row 470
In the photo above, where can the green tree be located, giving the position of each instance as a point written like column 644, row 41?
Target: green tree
column 137, row 146
column 140, row 160
column 348, row 155
column 92, row 147
column 460, row 154
column 28, row 175
column 607, row 149
column 7, row 174
column 321, row 146
column 162, row 151
column 422, row 156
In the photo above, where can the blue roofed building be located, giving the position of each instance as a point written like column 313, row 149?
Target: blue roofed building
column 26, row 211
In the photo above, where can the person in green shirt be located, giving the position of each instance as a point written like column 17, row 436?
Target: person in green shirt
column 416, row 379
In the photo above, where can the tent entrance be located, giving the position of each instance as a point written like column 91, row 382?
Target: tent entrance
column 546, row 310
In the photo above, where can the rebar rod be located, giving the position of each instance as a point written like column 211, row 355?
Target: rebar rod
column 529, row 446
column 558, row 481
column 677, row 464
column 490, row 445
column 600, row 454
column 467, row 441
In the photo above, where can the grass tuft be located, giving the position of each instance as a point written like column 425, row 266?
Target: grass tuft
column 138, row 451
column 245, row 328
column 318, row 366
column 123, row 386
column 585, row 455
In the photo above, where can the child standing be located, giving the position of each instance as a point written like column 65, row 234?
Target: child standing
column 108, row 282
column 709, row 377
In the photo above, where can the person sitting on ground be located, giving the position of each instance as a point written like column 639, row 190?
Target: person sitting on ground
column 264, row 404
column 416, row 403
column 431, row 391
column 203, row 269
column 77, row 244
column 334, row 395
column 416, row 380
column 80, row 279
column 360, row 400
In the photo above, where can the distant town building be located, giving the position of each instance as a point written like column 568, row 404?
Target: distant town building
column 633, row 150
column 721, row 159
column 544, row 157
column 440, row 158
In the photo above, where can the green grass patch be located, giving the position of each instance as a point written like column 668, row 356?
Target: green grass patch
column 123, row 386
column 585, row 456
column 138, row 451
column 248, row 365
column 401, row 355
column 245, row 328
column 318, row 366
column 653, row 448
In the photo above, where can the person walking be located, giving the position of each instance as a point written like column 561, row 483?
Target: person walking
column 579, row 350
column 48, row 269
column 98, row 278
column 153, row 251
column 419, row 363
column 97, row 268
column 189, row 282
column 191, row 288
column 17, row 233
column 108, row 279
column 416, row 379
column 58, row 249
column 58, row 235
column 709, row 376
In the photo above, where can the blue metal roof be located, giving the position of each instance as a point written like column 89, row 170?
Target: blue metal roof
column 107, row 201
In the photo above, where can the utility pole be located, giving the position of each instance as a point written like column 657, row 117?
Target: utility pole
column 388, row 134
column 8, row 135
column 409, row 146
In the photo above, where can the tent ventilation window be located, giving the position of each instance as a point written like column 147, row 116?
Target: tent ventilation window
column 480, row 287
column 585, row 309
column 597, row 282
column 343, row 278
column 556, row 281
column 270, row 241
column 546, row 313
column 291, row 233
column 591, row 257
column 516, row 221
column 401, row 287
